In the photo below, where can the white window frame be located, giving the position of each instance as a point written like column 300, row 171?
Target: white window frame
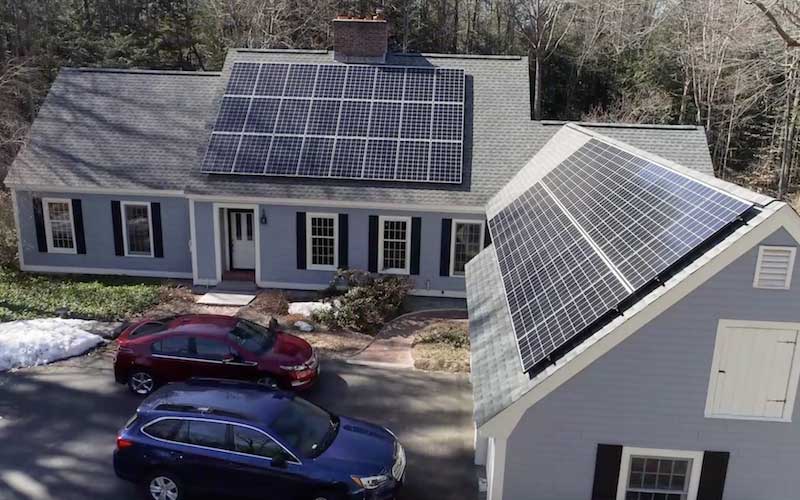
column 382, row 223
column 124, row 217
column 788, row 282
column 794, row 375
column 48, row 228
column 455, row 223
column 625, row 467
column 309, row 241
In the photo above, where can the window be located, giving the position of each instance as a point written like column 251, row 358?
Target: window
column 253, row 442
column 394, row 244
column 774, row 267
column 305, row 427
column 322, row 240
column 208, row 434
column 138, row 231
column 754, row 372
column 252, row 337
column 647, row 474
column 212, row 350
column 169, row 429
column 466, row 242
column 59, row 226
column 172, row 346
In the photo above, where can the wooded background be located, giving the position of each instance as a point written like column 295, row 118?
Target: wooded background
column 729, row 65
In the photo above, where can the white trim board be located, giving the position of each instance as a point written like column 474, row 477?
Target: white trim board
column 97, row 190
column 778, row 215
column 141, row 273
column 476, row 210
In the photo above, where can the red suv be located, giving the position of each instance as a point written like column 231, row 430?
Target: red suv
column 155, row 352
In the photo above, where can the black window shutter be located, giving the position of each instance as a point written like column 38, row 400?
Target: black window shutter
column 487, row 238
column 416, row 234
column 373, row 243
column 444, row 254
column 158, row 235
column 712, row 475
column 77, row 218
column 343, row 232
column 116, row 220
column 300, row 226
column 606, row 472
column 38, row 217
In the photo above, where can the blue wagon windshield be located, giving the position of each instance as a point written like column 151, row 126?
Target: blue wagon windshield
column 306, row 428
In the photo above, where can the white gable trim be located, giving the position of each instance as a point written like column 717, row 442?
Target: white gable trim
column 777, row 216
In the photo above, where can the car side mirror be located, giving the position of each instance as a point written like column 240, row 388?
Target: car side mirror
column 279, row 462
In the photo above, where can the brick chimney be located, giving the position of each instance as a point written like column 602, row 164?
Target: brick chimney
column 360, row 40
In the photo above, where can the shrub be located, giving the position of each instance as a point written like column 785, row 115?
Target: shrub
column 363, row 302
column 452, row 334
column 8, row 232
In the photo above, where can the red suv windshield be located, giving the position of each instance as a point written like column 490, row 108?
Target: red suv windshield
column 252, row 337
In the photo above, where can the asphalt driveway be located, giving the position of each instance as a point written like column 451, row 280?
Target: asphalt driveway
column 58, row 424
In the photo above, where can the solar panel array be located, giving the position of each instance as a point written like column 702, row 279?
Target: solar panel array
column 340, row 121
column 593, row 231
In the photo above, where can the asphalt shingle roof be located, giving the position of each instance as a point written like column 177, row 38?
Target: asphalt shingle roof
column 149, row 130
column 118, row 129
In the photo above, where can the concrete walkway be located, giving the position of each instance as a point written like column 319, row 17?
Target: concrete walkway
column 393, row 346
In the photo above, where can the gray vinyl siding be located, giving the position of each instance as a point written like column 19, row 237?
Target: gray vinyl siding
column 99, row 234
column 278, row 245
column 650, row 391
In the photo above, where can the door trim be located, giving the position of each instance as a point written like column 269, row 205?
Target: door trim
column 218, row 236
column 228, row 212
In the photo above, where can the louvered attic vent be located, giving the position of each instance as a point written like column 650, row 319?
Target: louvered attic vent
column 774, row 267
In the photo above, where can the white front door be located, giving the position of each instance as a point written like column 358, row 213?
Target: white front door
column 241, row 237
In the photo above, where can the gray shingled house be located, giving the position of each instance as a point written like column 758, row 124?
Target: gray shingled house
column 634, row 327
column 286, row 165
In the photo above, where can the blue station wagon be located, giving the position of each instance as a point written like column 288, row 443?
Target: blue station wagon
column 237, row 439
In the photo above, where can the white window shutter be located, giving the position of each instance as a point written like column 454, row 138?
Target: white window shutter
column 774, row 267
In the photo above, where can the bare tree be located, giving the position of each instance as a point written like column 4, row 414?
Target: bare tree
column 785, row 21
column 543, row 24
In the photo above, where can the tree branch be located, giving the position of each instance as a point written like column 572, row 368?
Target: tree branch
column 790, row 41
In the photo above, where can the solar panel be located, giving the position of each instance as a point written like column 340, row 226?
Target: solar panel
column 598, row 228
column 367, row 122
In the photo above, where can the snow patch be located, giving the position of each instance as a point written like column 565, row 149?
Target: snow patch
column 307, row 309
column 41, row 341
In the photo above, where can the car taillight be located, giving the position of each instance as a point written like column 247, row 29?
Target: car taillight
column 123, row 443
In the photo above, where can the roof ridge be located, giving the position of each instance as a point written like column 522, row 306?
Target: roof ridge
column 437, row 55
column 281, row 51
column 646, row 126
column 137, row 71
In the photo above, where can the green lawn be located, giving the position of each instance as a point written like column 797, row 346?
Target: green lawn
column 27, row 296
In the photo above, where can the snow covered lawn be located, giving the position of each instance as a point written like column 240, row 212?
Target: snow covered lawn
column 41, row 341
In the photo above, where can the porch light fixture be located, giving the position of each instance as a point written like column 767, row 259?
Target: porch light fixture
column 263, row 219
